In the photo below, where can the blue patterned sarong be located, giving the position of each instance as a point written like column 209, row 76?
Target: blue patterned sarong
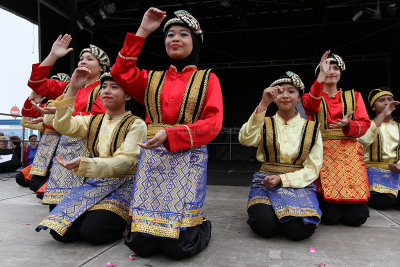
column 112, row 194
column 62, row 180
column 169, row 191
column 45, row 154
column 288, row 203
column 383, row 181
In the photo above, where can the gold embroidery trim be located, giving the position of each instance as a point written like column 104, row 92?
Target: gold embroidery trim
column 279, row 168
column 378, row 95
column 93, row 97
column 152, row 97
column 383, row 189
column 348, row 102
column 92, row 142
column 126, row 58
column 50, row 131
column 155, row 230
column 334, row 134
column 359, row 128
column 203, row 95
column 271, row 144
column 37, row 81
column 191, row 221
column 307, row 136
column 190, row 136
column 376, row 164
column 153, row 128
column 56, row 226
column 120, row 132
column 113, row 207
column 317, row 98
column 258, row 200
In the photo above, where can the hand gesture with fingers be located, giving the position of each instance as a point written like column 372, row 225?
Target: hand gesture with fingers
column 35, row 121
column 394, row 167
column 272, row 181
column 78, row 80
column 269, row 95
column 70, row 165
column 324, row 66
column 341, row 123
column 160, row 137
column 60, row 46
column 36, row 97
column 390, row 108
column 44, row 110
column 151, row 21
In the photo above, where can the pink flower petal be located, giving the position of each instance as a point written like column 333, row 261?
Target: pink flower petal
column 320, row 264
column 27, row 224
column 313, row 250
column 131, row 258
column 111, row 265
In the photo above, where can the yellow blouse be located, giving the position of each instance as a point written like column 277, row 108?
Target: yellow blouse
column 288, row 138
column 105, row 165
column 390, row 140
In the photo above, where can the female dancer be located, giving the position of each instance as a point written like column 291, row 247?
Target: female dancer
column 61, row 180
column 184, row 113
column 283, row 197
column 343, row 182
column 98, row 210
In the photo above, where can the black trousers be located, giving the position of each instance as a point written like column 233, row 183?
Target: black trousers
column 383, row 201
column 352, row 214
column 20, row 179
column 264, row 222
column 37, row 182
column 96, row 227
column 191, row 241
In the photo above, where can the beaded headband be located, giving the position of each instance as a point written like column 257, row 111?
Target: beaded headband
column 99, row 54
column 334, row 58
column 62, row 77
column 186, row 19
column 292, row 78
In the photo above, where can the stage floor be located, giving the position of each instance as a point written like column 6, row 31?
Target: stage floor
column 233, row 244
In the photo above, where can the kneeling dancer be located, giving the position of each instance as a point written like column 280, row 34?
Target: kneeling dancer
column 97, row 211
column 283, row 196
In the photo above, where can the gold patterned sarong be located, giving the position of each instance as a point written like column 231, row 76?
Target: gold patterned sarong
column 343, row 177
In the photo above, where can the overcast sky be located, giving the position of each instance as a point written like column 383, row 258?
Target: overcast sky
column 18, row 51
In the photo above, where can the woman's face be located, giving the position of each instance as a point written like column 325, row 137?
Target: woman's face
column 33, row 144
column 89, row 61
column 3, row 144
column 112, row 95
column 178, row 43
column 288, row 98
column 333, row 74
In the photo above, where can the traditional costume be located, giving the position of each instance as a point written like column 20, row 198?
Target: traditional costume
column 98, row 210
column 291, row 208
column 381, row 146
column 343, row 179
column 61, row 180
column 170, row 186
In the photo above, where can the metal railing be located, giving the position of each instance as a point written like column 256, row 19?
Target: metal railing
column 22, row 141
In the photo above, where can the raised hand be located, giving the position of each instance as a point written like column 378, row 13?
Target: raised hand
column 70, row 165
column 78, row 80
column 390, row 108
column 269, row 95
column 324, row 66
column 60, row 46
column 160, row 137
column 343, row 122
column 151, row 21
column 272, row 181
column 36, row 98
